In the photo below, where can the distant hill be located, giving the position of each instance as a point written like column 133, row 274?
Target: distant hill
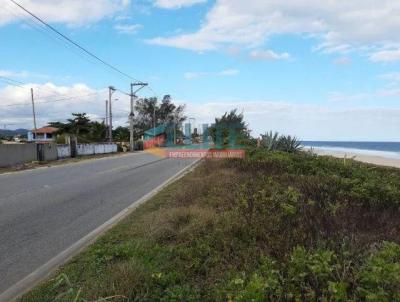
column 7, row 132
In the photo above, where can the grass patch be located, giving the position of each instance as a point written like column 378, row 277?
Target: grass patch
column 271, row 227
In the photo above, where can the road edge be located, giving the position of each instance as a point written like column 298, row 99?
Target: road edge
column 59, row 162
column 43, row 272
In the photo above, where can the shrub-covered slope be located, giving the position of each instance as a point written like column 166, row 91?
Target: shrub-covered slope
column 271, row 227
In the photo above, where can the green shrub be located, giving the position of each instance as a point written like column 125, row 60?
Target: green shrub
column 308, row 273
column 264, row 284
column 272, row 141
column 379, row 277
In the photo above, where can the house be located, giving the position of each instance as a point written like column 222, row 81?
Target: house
column 44, row 134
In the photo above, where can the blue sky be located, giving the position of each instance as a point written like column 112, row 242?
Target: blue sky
column 323, row 71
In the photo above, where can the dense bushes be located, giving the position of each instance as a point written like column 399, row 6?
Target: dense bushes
column 271, row 227
column 322, row 275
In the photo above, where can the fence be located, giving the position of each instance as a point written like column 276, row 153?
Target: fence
column 14, row 154
column 92, row 149
column 63, row 151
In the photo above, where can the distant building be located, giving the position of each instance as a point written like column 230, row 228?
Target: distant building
column 188, row 130
column 45, row 134
column 205, row 128
column 205, row 133
column 188, row 134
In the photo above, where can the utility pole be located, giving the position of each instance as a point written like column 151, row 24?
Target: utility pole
column 131, row 115
column 111, row 90
column 34, row 113
column 175, row 125
column 106, row 119
column 154, row 121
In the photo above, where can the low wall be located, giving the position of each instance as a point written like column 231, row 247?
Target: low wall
column 92, row 149
column 50, row 151
column 84, row 149
column 63, row 151
column 13, row 154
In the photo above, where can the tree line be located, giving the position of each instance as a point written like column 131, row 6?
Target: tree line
column 148, row 112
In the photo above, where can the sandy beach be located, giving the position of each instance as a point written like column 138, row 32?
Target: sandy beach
column 376, row 160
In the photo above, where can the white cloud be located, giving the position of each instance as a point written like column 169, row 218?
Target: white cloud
column 392, row 77
column 228, row 72
column 395, row 92
column 341, row 26
column 122, row 17
column 308, row 122
column 16, row 74
column 71, row 12
column 364, row 96
column 174, row 4
column 21, row 74
column 302, row 120
column 268, row 55
column 342, row 97
column 56, row 103
column 127, row 28
column 222, row 73
column 386, row 56
column 342, row 61
column 193, row 75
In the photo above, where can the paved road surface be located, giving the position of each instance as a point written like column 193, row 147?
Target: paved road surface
column 44, row 211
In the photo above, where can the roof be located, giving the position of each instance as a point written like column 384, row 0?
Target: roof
column 157, row 131
column 46, row 130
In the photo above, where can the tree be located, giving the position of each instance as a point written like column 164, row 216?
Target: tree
column 121, row 134
column 97, row 132
column 79, row 124
column 230, row 129
column 82, row 127
column 150, row 112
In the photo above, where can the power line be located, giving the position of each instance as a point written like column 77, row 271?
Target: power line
column 54, row 94
column 74, row 43
column 154, row 93
column 34, row 24
column 53, row 101
column 13, row 82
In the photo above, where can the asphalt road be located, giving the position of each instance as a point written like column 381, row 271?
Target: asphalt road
column 44, row 211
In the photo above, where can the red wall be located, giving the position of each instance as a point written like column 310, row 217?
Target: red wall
column 154, row 142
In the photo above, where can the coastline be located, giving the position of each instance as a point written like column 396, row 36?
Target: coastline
column 358, row 156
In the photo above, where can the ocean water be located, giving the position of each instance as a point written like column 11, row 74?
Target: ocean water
column 383, row 149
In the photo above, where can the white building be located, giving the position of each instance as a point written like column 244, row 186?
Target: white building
column 45, row 134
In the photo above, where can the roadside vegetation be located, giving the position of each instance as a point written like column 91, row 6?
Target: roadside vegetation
column 275, row 226
column 272, row 141
column 148, row 112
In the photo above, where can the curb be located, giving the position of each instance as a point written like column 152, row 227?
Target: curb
column 43, row 272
